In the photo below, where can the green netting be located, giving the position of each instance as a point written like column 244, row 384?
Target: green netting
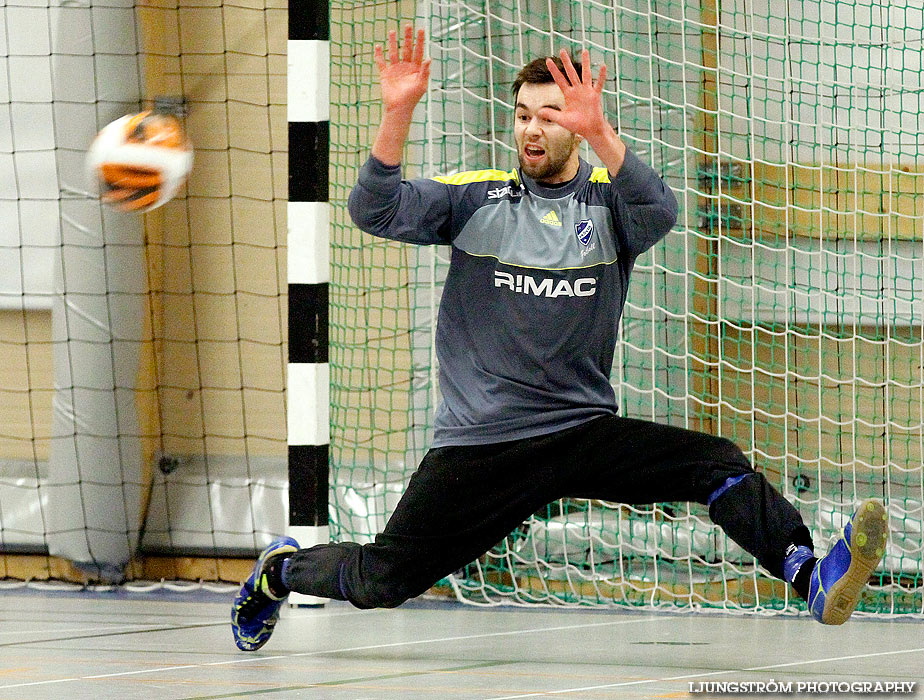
column 786, row 311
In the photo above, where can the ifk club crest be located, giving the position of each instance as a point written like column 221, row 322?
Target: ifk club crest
column 584, row 231
column 585, row 234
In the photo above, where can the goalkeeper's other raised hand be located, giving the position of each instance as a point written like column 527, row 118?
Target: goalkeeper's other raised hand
column 403, row 78
column 404, row 75
column 583, row 111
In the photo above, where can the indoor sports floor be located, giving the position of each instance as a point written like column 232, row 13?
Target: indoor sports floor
column 167, row 645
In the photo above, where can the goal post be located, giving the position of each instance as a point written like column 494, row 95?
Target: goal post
column 784, row 312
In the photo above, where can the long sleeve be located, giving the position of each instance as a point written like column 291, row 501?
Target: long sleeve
column 644, row 203
column 412, row 211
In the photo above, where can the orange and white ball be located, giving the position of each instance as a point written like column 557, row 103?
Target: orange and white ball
column 140, row 161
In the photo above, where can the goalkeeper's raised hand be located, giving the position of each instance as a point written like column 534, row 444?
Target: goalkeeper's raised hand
column 583, row 111
column 403, row 78
column 404, row 75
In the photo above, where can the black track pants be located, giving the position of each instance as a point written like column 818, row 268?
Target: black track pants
column 464, row 500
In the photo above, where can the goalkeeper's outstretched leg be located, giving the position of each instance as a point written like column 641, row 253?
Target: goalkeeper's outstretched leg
column 464, row 500
column 641, row 462
column 458, row 504
column 461, row 502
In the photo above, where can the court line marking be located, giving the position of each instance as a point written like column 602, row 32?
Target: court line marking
column 125, row 632
column 349, row 681
column 707, row 674
column 55, row 613
column 321, row 652
column 113, row 629
column 128, row 629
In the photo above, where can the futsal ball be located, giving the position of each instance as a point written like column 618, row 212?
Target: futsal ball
column 140, row 161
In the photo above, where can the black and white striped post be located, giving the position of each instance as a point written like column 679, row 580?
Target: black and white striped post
column 308, row 274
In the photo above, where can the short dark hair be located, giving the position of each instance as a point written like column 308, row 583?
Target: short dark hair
column 536, row 71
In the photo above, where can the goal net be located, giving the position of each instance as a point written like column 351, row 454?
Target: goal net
column 142, row 359
column 785, row 311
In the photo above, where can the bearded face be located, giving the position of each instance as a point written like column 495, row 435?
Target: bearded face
column 547, row 152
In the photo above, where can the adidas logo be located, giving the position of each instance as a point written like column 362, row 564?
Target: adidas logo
column 551, row 219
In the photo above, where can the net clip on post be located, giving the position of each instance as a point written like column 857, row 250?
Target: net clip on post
column 176, row 105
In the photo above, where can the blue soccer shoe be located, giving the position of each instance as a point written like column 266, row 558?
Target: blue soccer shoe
column 840, row 576
column 255, row 609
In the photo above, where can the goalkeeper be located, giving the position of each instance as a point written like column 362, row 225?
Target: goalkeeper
column 540, row 262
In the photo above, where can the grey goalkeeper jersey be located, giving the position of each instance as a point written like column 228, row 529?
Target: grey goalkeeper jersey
column 536, row 285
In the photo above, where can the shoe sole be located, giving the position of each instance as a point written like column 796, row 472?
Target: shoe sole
column 868, row 535
column 258, row 566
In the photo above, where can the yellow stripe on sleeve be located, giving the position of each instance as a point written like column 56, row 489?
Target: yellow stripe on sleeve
column 600, row 175
column 469, row 176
